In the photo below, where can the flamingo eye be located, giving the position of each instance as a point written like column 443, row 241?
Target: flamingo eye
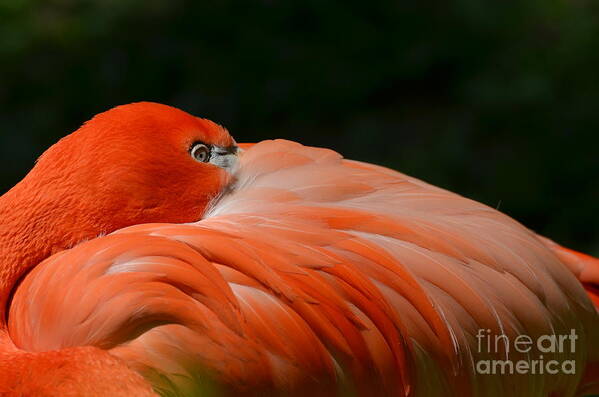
column 200, row 152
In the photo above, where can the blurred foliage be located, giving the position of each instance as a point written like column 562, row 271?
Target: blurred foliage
column 494, row 100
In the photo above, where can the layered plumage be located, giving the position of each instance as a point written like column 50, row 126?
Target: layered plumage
column 308, row 273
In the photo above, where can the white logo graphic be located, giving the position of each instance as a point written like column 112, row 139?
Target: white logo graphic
column 544, row 344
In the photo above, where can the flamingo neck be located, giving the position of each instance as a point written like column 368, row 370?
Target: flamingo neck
column 33, row 221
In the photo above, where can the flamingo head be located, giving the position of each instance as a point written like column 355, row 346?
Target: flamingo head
column 145, row 162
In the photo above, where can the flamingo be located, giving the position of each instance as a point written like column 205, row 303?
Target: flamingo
column 148, row 253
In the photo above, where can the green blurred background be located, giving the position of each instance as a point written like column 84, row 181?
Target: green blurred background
column 495, row 100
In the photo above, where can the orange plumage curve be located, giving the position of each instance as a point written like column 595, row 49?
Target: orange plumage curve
column 308, row 273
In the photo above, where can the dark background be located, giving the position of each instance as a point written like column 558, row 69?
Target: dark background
column 494, row 100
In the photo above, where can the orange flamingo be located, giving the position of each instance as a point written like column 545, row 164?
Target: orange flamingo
column 145, row 254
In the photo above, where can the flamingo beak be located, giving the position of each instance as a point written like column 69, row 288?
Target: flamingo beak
column 225, row 157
